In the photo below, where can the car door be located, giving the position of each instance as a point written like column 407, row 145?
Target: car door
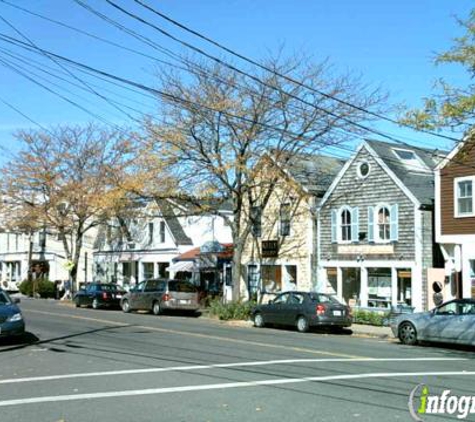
column 465, row 331
column 149, row 294
column 275, row 311
column 90, row 293
column 293, row 308
column 442, row 321
column 135, row 296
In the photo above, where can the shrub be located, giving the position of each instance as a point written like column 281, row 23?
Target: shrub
column 231, row 310
column 43, row 287
column 370, row 317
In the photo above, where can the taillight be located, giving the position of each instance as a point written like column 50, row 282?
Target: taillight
column 320, row 309
column 104, row 295
column 166, row 297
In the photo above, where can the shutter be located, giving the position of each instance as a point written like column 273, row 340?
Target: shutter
column 334, row 226
column 394, row 231
column 355, row 215
column 370, row 224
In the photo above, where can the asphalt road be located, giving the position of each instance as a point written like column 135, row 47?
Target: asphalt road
column 100, row 365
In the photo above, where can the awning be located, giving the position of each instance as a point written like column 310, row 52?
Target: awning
column 182, row 266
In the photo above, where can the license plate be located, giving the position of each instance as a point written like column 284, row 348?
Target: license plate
column 184, row 302
column 337, row 313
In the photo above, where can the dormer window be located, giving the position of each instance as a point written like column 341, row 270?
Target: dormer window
column 410, row 160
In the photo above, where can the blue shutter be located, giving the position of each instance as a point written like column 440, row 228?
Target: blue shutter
column 334, row 226
column 394, row 231
column 355, row 228
column 370, row 224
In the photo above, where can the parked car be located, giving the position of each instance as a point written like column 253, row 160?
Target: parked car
column 304, row 310
column 11, row 318
column 451, row 322
column 158, row 295
column 97, row 295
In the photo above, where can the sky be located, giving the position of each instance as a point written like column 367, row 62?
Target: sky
column 392, row 44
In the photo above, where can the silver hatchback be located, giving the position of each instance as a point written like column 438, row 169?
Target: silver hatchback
column 158, row 295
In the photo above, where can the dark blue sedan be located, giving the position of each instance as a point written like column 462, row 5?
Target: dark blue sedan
column 11, row 319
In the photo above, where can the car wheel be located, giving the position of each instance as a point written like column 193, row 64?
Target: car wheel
column 407, row 333
column 259, row 320
column 302, row 324
column 156, row 308
column 125, row 306
column 95, row 304
column 76, row 303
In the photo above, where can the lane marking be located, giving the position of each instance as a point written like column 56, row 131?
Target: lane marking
column 208, row 336
column 222, row 386
column 213, row 366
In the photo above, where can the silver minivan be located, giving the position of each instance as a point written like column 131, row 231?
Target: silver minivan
column 158, row 295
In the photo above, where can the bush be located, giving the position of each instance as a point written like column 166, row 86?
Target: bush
column 231, row 310
column 370, row 317
column 43, row 287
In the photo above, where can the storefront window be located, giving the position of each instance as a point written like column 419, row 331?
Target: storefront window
column 332, row 285
column 472, row 275
column 271, row 276
column 379, row 287
column 147, row 270
column 252, row 279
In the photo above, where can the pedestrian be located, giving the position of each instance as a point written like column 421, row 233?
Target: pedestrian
column 67, row 290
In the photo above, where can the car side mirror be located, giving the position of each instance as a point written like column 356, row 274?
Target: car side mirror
column 16, row 300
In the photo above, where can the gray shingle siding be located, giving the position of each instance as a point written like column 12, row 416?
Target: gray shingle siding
column 377, row 188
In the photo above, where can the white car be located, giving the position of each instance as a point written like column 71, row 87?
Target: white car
column 451, row 322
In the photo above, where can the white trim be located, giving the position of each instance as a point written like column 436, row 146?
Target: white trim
column 417, row 293
column 358, row 170
column 458, row 180
column 379, row 161
column 377, row 208
column 368, row 263
column 452, row 153
column 339, row 176
column 437, row 205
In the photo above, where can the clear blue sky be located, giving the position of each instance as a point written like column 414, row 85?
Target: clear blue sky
column 391, row 43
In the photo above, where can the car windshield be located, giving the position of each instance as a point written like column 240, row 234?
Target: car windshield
column 4, row 299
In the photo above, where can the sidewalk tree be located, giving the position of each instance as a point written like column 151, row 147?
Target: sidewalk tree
column 214, row 125
column 64, row 179
column 452, row 106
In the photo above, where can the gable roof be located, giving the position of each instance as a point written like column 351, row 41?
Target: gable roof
column 469, row 138
column 173, row 224
column 313, row 172
column 418, row 179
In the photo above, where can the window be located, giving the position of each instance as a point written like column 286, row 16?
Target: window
column 147, row 270
column 285, row 220
column 383, row 223
column 150, row 233
column 363, row 170
column 411, row 160
column 463, row 193
column 271, row 276
column 256, row 221
column 253, row 278
column 345, row 225
column 162, row 232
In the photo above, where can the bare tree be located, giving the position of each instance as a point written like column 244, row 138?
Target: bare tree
column 215, row 125
column 64, row 179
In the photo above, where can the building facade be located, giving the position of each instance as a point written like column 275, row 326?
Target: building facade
column 43, row 253
column 130, row 250
column 279, row 254
column 376, row 242
column 455, row 218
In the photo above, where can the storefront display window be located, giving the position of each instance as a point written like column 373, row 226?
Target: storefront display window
column 351, row 285
column 404, row 287
column 379, row 287
column 271, row 276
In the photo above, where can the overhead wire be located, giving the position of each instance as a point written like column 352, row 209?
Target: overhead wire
column 286, row 77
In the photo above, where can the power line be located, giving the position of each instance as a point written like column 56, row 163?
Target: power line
column 286, row 77
column 255, row 78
